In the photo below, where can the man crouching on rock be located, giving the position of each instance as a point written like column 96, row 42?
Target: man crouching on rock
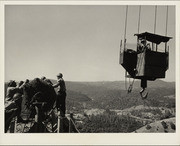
column 61, row 94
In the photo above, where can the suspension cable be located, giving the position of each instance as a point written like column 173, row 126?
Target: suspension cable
column 126, row 22
column 155, row 19
column 125, row 42
column 166, row 20
column 139, row 20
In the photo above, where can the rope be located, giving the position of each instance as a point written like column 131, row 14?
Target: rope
column 131, row 85
column 141, row 57
column 74, row 125
column 155, row 19
column 69, row 124
column 139, row 20
column 120, row 52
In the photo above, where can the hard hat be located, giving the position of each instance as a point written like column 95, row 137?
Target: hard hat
column 26, row 81
column 20, row 83
column 60, row 75
column 17, row 96
column 12, row 83
column 43, row 78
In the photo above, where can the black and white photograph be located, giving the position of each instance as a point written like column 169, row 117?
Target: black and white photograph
column 78, row 69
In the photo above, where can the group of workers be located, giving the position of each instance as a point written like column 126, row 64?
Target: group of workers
column 15, row 91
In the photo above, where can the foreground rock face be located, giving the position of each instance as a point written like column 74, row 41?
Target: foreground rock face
column 163, row 126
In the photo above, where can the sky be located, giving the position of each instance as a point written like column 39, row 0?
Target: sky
column 80, row 41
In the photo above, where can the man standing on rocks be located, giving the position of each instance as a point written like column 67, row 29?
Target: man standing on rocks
column 61, row 93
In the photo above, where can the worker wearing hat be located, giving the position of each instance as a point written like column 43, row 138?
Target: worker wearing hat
column 141, row 46
column 61, row 93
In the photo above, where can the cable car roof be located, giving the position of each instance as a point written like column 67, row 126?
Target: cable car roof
column 153, row 37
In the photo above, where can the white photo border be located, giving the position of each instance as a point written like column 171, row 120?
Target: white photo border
column 89, row 139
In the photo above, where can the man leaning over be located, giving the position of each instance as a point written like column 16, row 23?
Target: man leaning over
column 61, row 93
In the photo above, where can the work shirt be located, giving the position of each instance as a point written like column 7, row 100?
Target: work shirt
column 61, row 85
column 48, row 81
column 11, row 91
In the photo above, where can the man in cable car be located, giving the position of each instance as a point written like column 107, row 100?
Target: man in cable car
column 142, row 46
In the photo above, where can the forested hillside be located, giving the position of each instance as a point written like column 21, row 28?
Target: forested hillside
column 106, row 106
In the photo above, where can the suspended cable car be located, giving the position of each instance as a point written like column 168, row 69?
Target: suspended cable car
column 145, row 62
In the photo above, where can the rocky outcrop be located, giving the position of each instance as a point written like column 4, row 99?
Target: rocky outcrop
column 163, row 126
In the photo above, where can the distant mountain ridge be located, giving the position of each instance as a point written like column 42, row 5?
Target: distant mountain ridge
column 88, row 89
column 113, row 95
column 116, row 84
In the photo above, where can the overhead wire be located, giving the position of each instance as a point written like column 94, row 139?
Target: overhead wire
column 166, row 20
column 139, row 20
column 126, row 22
column 125, row 42
column 155, row 17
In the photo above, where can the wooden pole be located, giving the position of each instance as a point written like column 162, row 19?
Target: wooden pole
column 70, row 125
column 60, row 123
column 38, row 119
column 15, row 124
column 38, row 116
column 70, row 122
